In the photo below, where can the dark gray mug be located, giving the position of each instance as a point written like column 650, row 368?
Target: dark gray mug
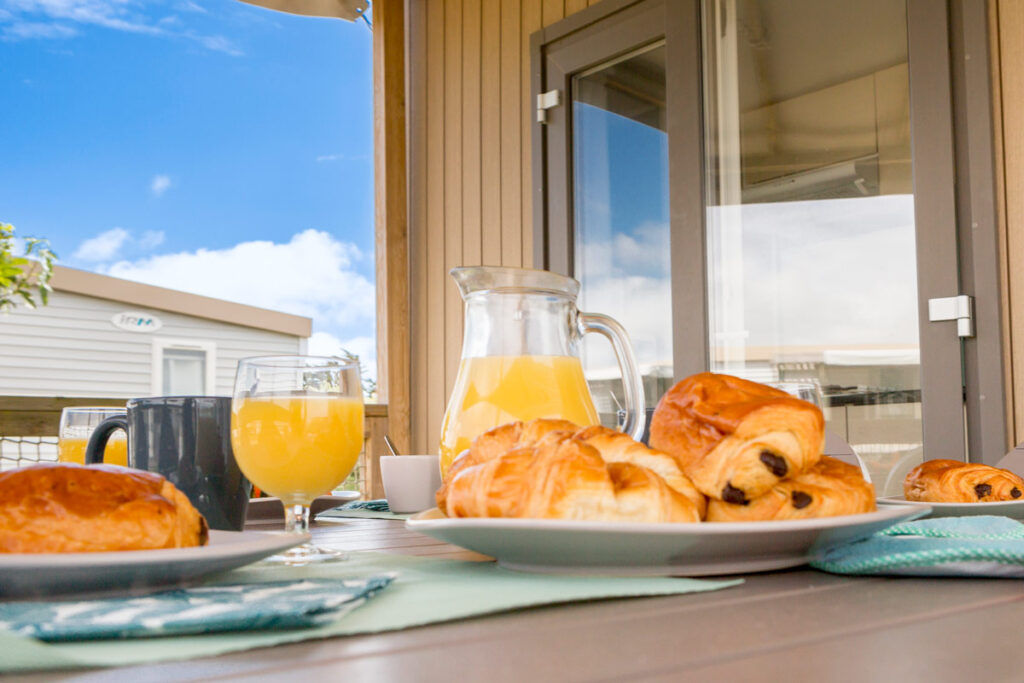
column 187, row 439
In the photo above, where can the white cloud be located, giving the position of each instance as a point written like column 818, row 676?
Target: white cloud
column 159, row 184
column 313, row 274
column 326, row 344
column 54, row 19
column 151, row 239
column 104, row 246
column 23, row 30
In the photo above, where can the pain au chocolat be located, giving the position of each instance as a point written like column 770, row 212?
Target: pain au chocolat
column 952, row 481
column 68, row 508
column 828, row 489
column 736, row 439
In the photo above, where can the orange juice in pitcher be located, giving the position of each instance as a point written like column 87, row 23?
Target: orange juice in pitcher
column 493, row 390
column 520, row 356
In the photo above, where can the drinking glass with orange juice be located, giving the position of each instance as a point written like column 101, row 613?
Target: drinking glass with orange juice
column 297, row 431
column 77, row 425
column 521, row 359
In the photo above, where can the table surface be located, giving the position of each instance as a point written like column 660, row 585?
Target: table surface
column 792, row 625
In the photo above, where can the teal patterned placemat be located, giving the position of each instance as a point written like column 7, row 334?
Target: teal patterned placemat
column 365, row 509
column 204, row 609
column 983, row 546
column 424, row 591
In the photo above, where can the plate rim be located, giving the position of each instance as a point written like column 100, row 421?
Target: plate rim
column 419, row 521
column 900, row 500
column 223, row 545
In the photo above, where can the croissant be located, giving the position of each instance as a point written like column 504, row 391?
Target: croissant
column 612, row 445
column 68, row 508
column 498, row 441
column 828, row 489
column 952, row 481
column 736, row 439
column 565, row 479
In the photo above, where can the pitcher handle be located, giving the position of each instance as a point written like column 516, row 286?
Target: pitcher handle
column 636, row 413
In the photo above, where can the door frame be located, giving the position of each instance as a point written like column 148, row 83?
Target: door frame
column 954, row 183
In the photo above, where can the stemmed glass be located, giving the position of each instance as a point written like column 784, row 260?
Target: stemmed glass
column 296, row 431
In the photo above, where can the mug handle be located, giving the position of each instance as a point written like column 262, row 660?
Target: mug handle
column 633, row 386
column 98, row 440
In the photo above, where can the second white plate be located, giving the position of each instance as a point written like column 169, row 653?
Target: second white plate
column 1014, row 509
column 25, row 575
column 696, row 549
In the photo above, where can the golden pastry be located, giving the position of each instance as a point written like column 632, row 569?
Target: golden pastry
column 828, row 489
column 952, row 481
column 612, row 445
column 565, row 479
column 736, row 439
column 68, row 508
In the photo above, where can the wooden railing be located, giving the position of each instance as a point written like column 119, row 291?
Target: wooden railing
column 36, row 416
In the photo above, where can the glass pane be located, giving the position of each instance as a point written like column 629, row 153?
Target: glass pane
column 184, row 372
column 810, row 219
column 620, row 176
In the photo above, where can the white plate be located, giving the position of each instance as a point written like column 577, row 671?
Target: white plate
column 1014, row 509
column 694, row 549
column 135, row 571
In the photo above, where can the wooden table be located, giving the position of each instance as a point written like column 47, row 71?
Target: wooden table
column 798, row 625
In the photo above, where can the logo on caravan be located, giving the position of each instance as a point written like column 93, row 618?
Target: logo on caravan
column 133, row 321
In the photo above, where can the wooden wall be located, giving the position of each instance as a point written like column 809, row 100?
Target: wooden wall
column 1006, row 29
column 469, row 118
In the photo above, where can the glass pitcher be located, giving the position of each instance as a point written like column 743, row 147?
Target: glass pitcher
column 521, row 356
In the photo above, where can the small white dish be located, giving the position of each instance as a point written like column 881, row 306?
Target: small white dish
column 410, row 481
column 130, row 572
column 680, row 549
column 1014, row 509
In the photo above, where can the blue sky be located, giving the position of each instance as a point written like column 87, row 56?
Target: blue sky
column 205, row 145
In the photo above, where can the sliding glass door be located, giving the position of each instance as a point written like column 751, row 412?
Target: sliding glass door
column 762, row 188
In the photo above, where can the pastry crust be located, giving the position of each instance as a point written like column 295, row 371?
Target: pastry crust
column 563, row 478
column 613, row 447
column 952, row 481
column 829, row 489
column 68, row 508
column 499, row 441
column 736, row 439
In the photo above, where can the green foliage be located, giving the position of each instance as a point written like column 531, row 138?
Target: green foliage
column 24, row 277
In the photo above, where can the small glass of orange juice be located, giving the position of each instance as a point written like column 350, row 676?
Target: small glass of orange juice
column 297, row 431
column 77, row 425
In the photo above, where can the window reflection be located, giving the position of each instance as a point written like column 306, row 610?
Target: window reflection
column 620, row 169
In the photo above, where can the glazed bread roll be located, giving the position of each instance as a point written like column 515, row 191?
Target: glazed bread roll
column 828, row 489
column 736, row 439
column 68, row 508
column 952, row 481
column 565, row 479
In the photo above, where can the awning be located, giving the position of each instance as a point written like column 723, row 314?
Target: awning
column 349, row 10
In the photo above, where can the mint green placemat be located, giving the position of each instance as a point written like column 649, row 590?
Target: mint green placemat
column 424, row 591
column 363, row 509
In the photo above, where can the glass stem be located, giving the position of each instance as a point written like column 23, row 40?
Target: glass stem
column 296, row 519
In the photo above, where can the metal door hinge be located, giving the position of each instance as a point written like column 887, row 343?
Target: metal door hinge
column 547, row 100
column 958, row 308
